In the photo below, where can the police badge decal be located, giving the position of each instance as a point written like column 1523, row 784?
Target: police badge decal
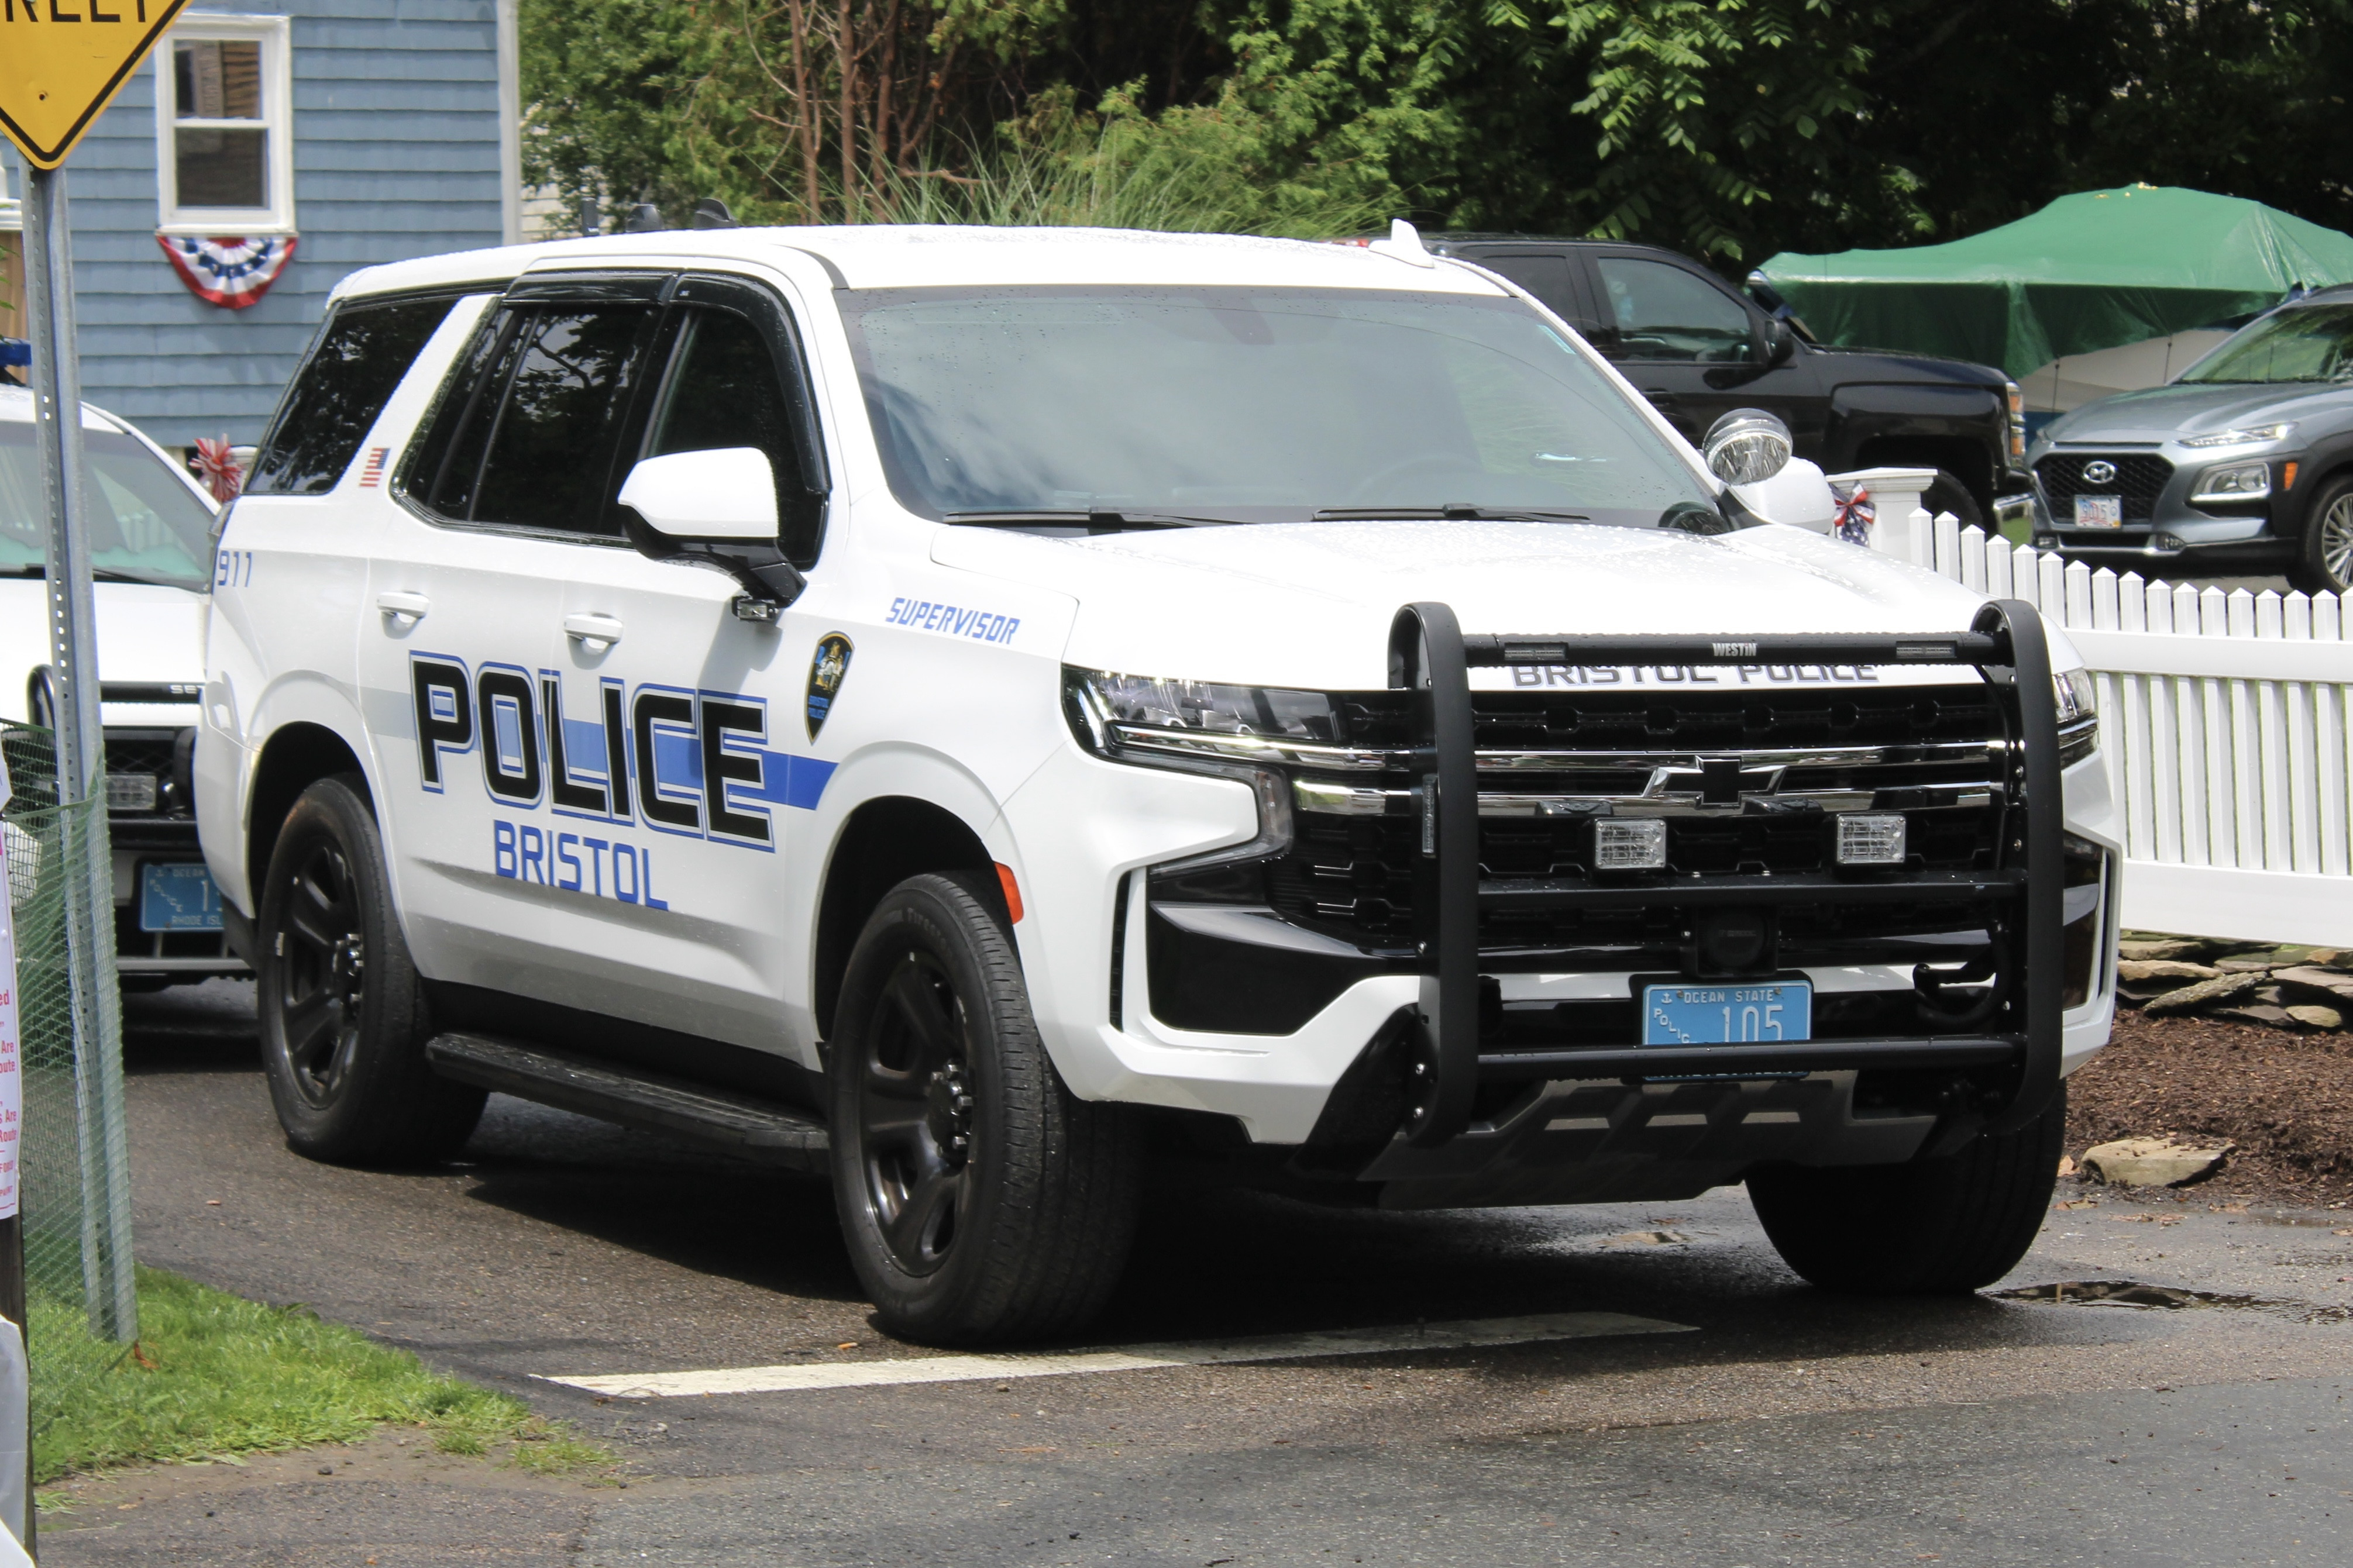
column 826, row 667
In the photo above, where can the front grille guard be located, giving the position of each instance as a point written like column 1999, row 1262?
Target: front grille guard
column 1429, row 654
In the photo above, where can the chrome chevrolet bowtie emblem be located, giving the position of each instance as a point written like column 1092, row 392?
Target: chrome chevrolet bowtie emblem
column 1719, row 782
column 2099, row 471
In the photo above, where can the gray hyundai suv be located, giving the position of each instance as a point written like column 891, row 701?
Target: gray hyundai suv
column 2243, row 463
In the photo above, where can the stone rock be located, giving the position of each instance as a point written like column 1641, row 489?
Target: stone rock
column 2313, row 1017
column 2327, row 982
column 2141, row 970
column 2205, row 994
column 2264, row 1013
column 2244, row 965
column 2180, row 947
column 2153, row 1161
column 2323, row 956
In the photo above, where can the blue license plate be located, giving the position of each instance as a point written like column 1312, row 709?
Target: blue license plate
column 178, row 898
column 1727, row 1015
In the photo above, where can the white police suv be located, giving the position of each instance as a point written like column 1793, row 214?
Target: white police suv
column 981, row 712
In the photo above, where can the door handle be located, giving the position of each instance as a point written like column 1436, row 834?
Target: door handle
column 595, row 633
column 405, row 609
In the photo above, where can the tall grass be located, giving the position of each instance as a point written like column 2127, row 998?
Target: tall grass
column 1128, row 175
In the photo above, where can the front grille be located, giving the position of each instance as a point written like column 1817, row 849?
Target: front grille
column 1552, row 763
column 2140, row 479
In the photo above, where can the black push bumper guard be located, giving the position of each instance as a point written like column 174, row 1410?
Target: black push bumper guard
column 1429, row 654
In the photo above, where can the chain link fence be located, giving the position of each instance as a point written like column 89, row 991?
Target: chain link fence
column 73, row 1155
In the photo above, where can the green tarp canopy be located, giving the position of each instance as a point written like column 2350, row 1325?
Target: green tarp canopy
column 2093, row 270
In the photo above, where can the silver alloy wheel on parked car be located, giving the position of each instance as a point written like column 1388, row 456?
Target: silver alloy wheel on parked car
column 2336, row 539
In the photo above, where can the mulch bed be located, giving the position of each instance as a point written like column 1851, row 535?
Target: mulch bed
column 2285, row 1099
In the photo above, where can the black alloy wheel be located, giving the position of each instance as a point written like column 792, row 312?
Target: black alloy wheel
column 914, row 1114
column 981, row 1201
column 344, row 1013
column 322, row 973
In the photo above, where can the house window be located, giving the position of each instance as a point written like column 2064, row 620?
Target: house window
column 224, row 127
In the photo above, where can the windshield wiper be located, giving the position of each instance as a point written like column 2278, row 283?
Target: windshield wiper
column 1450, row 512
column 1095, row 521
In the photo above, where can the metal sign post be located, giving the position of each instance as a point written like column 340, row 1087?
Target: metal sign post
column 81, row 766
column 56, row 82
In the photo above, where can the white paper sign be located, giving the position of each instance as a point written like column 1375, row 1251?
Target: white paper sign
column 12, row 1078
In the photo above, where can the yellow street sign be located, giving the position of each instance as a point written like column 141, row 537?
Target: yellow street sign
column 61, row 62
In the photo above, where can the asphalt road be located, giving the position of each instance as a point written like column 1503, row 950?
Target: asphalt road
column 1789, row 1427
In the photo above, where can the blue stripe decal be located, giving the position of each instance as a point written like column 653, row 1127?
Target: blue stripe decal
column 678, row 760
column 584, row 747
column 788, row 780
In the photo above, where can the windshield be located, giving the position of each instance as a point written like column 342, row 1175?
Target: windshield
column 145, row 525
column 1250, row 406
column 2311, row 342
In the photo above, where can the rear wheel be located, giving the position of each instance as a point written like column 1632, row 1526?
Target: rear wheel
column 343, row 1011
column 981, row 1200
column 2324, row 559
column 1929, row 1228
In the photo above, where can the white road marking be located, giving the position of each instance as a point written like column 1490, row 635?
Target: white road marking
column 1467, row 1334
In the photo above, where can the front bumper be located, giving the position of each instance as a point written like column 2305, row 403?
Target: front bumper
column 2160, row 522
column 1315, row 1033
column 161, row 832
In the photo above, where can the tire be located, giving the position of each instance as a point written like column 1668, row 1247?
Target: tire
column 343, row 1011
column 1929, row 1228
column 982, row 1202
column 1947, row 493
column 2324, row 556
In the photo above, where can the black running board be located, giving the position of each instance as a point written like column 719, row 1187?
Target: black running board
column 763, row 1129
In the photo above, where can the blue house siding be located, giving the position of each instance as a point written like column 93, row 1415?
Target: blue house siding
column 396, row 154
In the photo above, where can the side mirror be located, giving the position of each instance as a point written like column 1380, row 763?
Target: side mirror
column 725, row 496
column 1747, row 446
column 1780, row 342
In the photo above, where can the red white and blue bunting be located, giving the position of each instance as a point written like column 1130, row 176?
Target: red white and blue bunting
column 227, row 271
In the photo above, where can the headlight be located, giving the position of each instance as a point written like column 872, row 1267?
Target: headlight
column 1184, row 723
column 2079, row 714
column 1247, row 733
column 2253, row 435
column 2240, row 481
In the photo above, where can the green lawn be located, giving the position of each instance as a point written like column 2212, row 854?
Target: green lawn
column 216, row 1375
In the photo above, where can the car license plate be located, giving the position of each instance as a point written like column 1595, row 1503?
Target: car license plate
column 1727, row 1015
column 178, row 898
column 2099, row 511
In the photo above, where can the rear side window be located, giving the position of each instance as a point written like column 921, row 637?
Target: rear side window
column 1548, row 278
column 526, row 439
column 360, row 357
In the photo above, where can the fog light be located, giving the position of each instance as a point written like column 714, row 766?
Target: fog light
column 2170, row 544
column 2046, row 541
column 131, row 791
column 1639, row 845
column 1870, row 840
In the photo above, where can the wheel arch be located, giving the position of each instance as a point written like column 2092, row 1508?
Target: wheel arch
column 881, row 843
column 296, row 756
column 1965, row 460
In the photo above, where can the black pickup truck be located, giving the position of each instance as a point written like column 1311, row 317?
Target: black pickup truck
column 1696, row 348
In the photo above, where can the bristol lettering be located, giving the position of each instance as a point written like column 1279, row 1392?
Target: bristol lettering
column 670, row 759
column 577, row 862
column 1693, row 675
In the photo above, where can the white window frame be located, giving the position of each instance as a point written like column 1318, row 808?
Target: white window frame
column 275, row 34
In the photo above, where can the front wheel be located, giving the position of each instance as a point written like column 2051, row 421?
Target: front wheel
column 1946, row 493
column 1930, row 1227
column 2324, row 557
column 981, row 1200
column 343, row 1011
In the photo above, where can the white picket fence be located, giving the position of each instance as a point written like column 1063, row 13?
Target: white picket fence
column 2223, row 718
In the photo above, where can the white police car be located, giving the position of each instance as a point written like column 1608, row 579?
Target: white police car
column 151, row 561
column 976, row 712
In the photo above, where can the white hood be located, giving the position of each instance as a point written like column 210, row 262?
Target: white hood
column 1309, row 604
column 146, row 633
